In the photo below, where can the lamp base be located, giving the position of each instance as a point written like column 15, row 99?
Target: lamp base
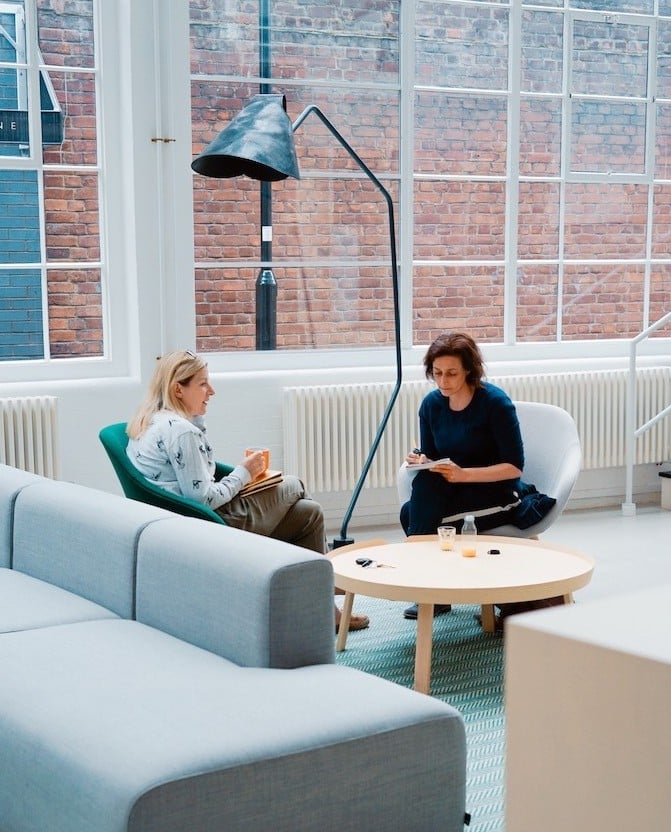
column 338, row 542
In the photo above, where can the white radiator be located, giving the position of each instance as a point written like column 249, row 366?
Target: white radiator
column 328, row 429
column 28, row 434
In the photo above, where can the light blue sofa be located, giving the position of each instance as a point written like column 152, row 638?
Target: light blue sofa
column 164, row 673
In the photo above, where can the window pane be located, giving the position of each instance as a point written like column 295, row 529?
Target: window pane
column 602, row 302
column 540, row 137
column 367, row 119
column 338, row 41
column 461, row 46
column 609, row 59
column 538, row 232
column 19, row 217
column 459, row 220
column 75, row 313
column 663, row 142
column 338, row 219
column 72, row 216
column 660, row 298
column 661, row 228
column 664, row 57
column 224, row 37
column 66, row 32
column 605, row 221
column 21, row 331
column 14, row 129
column 542, row 51
column 334, row 219
column 608, row 137
column 227, row 219
column 643, row 6
column 317, row 307
column 467, row 298
column 73, row 139
column 537, row 303
column 460, row 135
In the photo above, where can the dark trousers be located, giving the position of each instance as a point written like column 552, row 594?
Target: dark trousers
column 433, row 499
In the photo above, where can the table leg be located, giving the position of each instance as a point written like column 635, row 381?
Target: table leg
column 488, row 618
column 424, row 648
column 344, row 621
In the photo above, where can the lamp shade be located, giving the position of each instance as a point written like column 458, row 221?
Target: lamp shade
column 258, row 143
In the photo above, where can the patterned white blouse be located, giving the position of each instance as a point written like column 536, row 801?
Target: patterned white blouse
column 174, row 452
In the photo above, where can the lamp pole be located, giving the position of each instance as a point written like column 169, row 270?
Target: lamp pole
column 266, row 285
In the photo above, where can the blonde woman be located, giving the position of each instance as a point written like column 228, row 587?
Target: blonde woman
column 168, row 444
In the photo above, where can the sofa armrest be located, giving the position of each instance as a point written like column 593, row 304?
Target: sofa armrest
column 256, row 601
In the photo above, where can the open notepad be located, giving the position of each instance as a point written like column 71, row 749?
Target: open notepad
column 421, row 466
column 267, row 480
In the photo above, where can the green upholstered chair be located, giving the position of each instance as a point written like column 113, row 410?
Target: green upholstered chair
column 115, row 440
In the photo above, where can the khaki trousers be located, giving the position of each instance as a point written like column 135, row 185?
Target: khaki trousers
column 284, row 512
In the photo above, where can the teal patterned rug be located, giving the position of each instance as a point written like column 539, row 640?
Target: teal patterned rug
column 467, row 672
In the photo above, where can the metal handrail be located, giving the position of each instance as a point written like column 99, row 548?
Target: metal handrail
column 631, row 431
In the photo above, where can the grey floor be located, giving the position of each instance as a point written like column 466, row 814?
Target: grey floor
column 630, row 553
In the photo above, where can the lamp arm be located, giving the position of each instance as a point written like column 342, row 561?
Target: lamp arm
column 343, row 540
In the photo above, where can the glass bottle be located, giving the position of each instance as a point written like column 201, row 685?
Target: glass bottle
column 469, row 527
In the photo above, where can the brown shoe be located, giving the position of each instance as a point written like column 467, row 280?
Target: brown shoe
column 356, row 622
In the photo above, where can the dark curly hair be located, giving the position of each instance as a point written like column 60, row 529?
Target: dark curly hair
column 463, row 347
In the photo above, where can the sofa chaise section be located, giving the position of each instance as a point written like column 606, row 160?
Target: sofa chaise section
column 137, row 730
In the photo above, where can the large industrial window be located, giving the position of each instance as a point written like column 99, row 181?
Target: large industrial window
column 50, row 261
column 526, row 146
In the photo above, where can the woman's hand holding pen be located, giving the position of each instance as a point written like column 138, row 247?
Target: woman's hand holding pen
column 416, row 457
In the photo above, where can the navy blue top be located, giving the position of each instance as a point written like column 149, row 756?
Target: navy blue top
column 486, row 432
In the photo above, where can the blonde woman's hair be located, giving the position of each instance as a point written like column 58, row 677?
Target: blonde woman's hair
column 180, row 366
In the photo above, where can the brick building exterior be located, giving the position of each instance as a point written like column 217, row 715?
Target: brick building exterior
column 532, row 189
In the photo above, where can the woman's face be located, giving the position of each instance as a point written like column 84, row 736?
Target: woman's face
column 195, row 395
column 450, row 375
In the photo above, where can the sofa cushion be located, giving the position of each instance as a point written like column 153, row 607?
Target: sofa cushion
column 12, row 480
column 82, row 540
column 253, row 599
column 112, row 725
column 26, row 602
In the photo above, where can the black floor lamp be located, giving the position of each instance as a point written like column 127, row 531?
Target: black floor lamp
column 259, row 143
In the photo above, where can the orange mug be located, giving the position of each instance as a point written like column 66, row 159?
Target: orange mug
column 266, row 457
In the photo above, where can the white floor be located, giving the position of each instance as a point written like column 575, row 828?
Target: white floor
column 630, row 553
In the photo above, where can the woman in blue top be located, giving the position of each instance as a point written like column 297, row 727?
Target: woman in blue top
column 475, row 425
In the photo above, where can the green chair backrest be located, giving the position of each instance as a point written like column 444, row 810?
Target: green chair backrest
column 115, row 440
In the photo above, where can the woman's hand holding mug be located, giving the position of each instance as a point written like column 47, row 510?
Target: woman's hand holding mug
column 256, row 461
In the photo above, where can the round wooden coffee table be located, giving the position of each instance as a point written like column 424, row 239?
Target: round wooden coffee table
column 418, row 570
